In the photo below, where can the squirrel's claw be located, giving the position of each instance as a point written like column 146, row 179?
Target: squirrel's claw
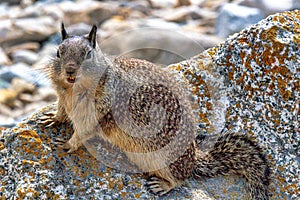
column 64, row 144
column 48, row 120
column 157, row 186
column 50, row 114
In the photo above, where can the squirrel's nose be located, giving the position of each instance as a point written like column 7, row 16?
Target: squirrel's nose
column 70, row 69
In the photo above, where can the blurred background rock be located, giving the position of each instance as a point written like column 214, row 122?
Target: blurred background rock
column 163, row 32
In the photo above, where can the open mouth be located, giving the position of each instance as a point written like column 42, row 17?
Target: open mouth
column 71, row 79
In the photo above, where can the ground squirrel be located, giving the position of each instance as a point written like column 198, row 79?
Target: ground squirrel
column 97, row 94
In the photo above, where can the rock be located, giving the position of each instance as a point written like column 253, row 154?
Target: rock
column 11, row 2
column 47, row 94
column 249, row 84
column 25, row 56
column 5, row 111
column 7, row 11
column 22, row 71
column 27, row 3
column 212, row 5
column 49, row 8
column 4, row 60
column 163, row 4
column 16, row 31
column 153, row 40
column 22, row 86
column 89, row 12
column 6, row 122
column 233, row 18
column 43, row 94
column 184, row 14
column 4, row 84
column 2, row 128
column 142, row 6
column 31, row 107
column 270, row 7
column 26, row 98
column 8, row 97
column 31, row 46
column 183, row 3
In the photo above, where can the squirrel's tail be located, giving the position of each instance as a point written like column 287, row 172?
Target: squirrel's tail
column 237, row 154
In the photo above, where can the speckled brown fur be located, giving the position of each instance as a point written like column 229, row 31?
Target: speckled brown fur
column 88, row 104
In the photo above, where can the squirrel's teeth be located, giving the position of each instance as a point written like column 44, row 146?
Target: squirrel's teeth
column 71, row 79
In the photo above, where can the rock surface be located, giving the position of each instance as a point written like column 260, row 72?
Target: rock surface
column 233, row 18
column 250, row 83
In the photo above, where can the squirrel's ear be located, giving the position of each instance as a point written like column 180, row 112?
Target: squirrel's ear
column 64, row 34
column 92, row 36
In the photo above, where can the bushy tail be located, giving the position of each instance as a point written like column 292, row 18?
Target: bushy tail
column 237, row 154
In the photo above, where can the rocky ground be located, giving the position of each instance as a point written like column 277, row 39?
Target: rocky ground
column 163, row 32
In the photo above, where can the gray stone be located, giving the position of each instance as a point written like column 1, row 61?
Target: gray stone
column 25, row 56
column 8, row 97
column 6, row 121
column 232, row 18
column 4, row 60
column 22, row 86
column 163, row 4
column 185, row 13
column 154, row 40
column 32, row 46
column 142, row 6
column 23, row 71
column 4, row 84
column 269, row 7
column 11, row 2
column 16, row 31
column 90, row 12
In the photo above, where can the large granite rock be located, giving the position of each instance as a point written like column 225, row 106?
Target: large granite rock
column 250, row 83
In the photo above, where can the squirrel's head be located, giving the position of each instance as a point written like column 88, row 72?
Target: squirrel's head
column 75, row 54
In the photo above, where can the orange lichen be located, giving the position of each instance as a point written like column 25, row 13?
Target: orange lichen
column 196, row 82
column 243, row 40
column 30, row 134
column 2, row 171
column 296, row 38
column 56, row 197
column 22, row 192
column 137, row 196
column 28, row 162
column 1, row 146
column 111, row 183
column 270, row 33
column 175, row 67
column 123, row 194
column 212, row 51
column 2, row 128
column 120, row 184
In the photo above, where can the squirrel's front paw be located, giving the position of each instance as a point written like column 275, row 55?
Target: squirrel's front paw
column 66, row 144
column 49, row 119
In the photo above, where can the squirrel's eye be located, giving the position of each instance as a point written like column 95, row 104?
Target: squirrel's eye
column 58, row 54
column 89, row 54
